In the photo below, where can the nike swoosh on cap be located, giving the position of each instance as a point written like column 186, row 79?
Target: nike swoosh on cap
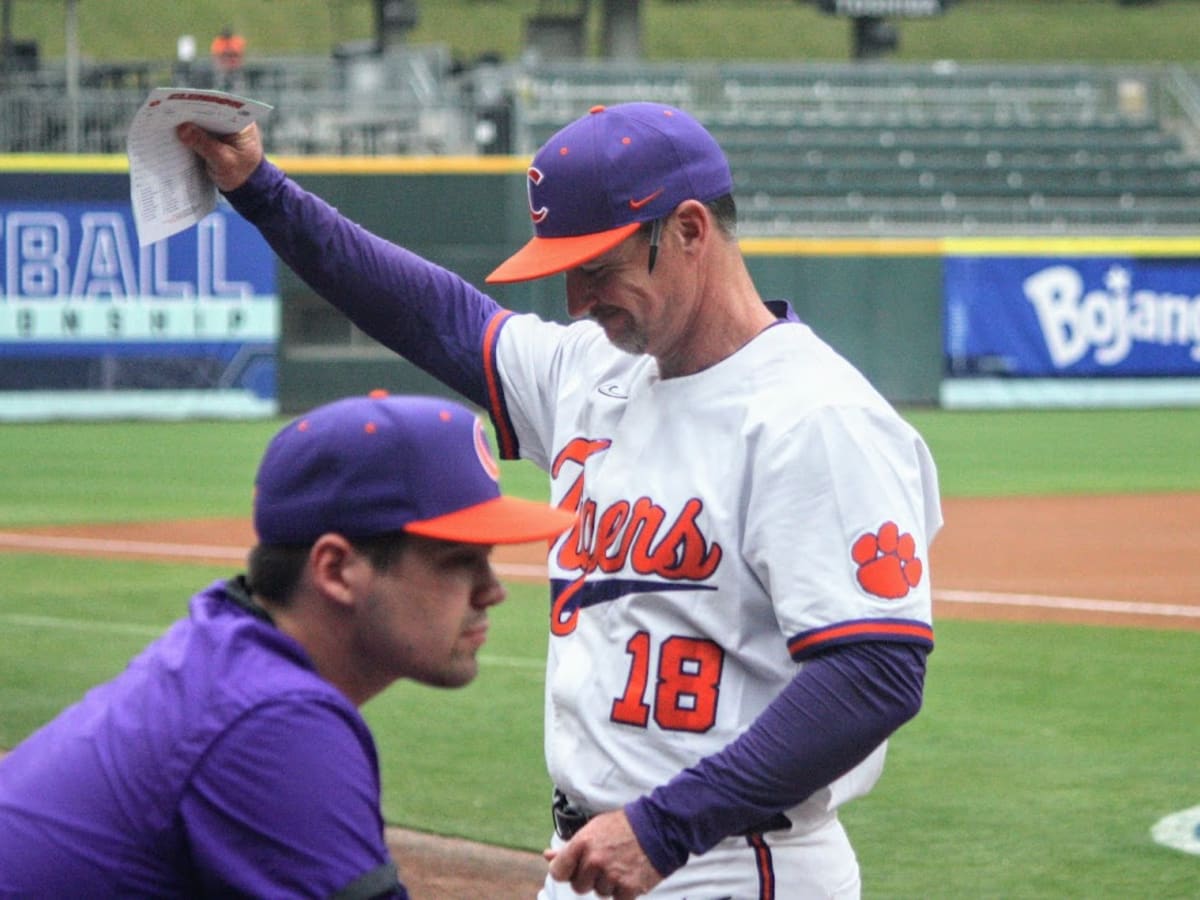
column 638, row 204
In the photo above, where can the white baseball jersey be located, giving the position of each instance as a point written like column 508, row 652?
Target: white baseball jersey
column 733, row 522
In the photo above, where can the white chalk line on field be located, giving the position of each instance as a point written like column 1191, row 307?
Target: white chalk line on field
column 1081, row 604
column 47, row 542
column 63, row 623
column 17, row 541
column 167, row 550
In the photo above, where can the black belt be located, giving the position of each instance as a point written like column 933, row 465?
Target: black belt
column 570, row 819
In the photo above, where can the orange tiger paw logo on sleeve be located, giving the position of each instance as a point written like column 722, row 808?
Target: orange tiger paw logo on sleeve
column 887, row 562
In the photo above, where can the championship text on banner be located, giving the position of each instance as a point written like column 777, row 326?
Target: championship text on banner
column 86, row 309
column 1071, row 317
column 902, row 8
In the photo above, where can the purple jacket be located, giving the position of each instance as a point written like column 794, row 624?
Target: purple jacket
column 219, row 763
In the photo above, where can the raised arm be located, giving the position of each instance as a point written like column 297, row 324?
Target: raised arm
column 427, row 314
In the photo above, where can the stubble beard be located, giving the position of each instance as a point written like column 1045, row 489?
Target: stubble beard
column 629, row 339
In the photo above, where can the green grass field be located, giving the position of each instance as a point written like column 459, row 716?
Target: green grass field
column 1042, row 758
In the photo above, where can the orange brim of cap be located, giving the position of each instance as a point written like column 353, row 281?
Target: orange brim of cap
column 502, row 520
column 544, row 256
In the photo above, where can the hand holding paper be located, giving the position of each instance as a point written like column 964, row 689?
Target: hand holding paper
column 169, row 188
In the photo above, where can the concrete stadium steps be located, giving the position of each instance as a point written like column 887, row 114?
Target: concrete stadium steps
column 947, row 147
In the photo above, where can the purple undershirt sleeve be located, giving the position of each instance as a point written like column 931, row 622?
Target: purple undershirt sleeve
column 841, row 706
column 425, row 313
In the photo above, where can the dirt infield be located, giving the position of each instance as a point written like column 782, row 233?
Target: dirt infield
column 1108, row 560
column 1117, row 560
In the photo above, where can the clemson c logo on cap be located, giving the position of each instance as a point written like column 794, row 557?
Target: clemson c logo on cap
column 535, row 178
column 485, row 454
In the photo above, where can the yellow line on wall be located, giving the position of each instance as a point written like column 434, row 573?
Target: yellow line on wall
column 86, row 163
column 400, row 165
column 842, row 246
column 1082, row 245
column 1073, row 246
column 82, row 163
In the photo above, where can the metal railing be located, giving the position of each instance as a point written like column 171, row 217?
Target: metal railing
column 402, row 101
column 895, row 142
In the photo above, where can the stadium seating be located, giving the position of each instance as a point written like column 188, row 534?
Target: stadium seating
column 891, row 148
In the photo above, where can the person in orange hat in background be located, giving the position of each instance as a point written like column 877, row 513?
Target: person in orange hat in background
column 228, row 51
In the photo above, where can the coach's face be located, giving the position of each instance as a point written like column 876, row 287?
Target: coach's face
column 641, row 311
column 425, row 616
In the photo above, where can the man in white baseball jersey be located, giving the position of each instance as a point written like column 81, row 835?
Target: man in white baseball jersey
column 741, row 615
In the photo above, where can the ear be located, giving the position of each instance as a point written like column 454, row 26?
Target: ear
column 692, row 222
column 335, row 569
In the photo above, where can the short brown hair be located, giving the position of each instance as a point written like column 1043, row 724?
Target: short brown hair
column 723, row 209
column 274, row 570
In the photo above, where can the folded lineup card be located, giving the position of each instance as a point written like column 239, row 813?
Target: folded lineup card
column 169, row 188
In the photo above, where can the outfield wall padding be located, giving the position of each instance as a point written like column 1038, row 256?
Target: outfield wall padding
column 879, row 303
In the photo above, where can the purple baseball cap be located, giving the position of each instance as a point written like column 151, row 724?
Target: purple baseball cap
column 366, row 466
column 595, row 181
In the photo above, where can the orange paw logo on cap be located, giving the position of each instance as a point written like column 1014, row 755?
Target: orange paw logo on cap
column 888, row 566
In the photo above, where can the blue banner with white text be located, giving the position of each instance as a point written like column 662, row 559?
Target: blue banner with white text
column 1030, row 316
column 85, row 308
